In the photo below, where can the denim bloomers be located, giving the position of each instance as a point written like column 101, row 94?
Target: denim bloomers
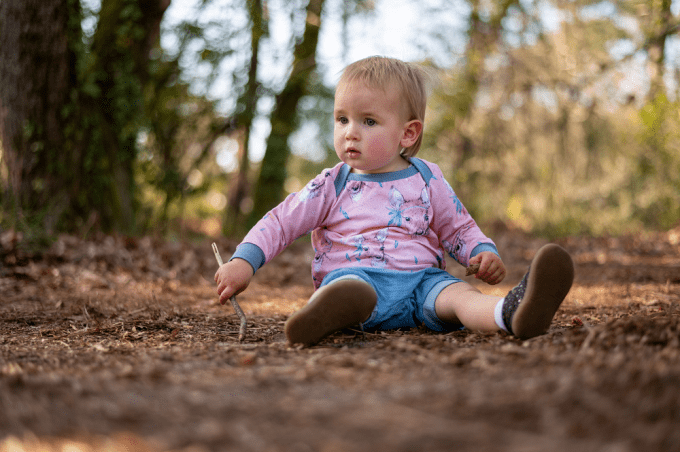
column 405, row 300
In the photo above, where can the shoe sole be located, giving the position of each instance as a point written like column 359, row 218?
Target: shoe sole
column 333, row 307
column 550, row 278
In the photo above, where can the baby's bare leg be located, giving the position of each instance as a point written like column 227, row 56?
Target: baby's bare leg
column 529, row 307
column 463, row 303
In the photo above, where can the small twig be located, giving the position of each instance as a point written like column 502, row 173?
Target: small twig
column 234, row 303
column 87, row 317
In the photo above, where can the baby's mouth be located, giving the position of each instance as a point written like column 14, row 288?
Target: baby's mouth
column 353, row 152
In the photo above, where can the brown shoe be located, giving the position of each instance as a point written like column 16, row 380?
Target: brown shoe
column 529, row 308
column 339, row 305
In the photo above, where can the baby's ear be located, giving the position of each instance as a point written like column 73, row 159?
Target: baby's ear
column 412, row 131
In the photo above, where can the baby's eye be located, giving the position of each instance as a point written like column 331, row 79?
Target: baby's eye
column 407, row 218
column 342, row 120
column 370, row 122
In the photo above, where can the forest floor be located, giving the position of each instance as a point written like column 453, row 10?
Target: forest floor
column 120, row 344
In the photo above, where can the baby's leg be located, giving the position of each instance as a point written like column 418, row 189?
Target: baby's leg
column 462, row 303
column 526, row 311
column 340, row 304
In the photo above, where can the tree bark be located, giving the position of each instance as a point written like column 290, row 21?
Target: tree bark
column 68, row 136
column 37, row 74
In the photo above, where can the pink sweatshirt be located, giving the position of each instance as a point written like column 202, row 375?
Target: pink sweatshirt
column 403, row 221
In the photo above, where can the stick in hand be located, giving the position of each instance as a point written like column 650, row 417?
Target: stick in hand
column 234, row 303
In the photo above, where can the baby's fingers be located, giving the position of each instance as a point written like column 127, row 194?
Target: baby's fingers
column 497, row 277
column 486, row 269
column 491, row 272
column 225, row 294
column 495, row 274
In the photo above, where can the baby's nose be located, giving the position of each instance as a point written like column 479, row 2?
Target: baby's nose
column 352, row 131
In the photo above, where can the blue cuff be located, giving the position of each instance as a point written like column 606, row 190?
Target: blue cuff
column 250, row 253
column 484, row 247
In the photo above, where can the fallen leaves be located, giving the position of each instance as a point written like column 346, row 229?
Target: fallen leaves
column 139, row 343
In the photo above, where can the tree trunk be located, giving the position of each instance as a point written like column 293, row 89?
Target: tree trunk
column 234, row 216
column 68, row 137
column 37, row 74
column 662, row 28
column 127, row 31
column 269, row 189
column 483, row 36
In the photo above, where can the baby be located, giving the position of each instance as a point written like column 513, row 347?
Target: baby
column 381, row 221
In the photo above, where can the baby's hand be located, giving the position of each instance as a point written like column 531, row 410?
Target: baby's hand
column 491, row 268
column 232, row 278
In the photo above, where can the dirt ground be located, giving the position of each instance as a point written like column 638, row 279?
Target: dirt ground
column 120, row 344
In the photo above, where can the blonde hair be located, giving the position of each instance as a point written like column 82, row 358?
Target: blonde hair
column 411, row 79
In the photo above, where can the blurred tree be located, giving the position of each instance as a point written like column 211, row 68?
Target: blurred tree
column 656, row 183
column 37, row 77
column 546, row 132
column 269, row 189
column 246, row 109
column 658, row 26
column 182, row 130
column 251, row 89
column 71, row 113
column 127, row 30
column 456, row 104
column 176, row 160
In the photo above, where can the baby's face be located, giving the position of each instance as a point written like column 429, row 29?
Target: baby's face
column 370, row 128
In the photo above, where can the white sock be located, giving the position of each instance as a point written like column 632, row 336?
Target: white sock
column 498, row 315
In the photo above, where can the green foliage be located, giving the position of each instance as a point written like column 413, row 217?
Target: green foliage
column 655, row 182
column 544, row 147
column 624, row 178
column 132, row 121
column 180, row 131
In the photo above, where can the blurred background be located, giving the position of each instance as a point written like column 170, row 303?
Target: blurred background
column 182, row 118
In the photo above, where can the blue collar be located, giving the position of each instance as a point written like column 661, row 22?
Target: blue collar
column 417, row 166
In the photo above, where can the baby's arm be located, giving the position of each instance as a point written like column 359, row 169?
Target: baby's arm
column 232, row 278
column 459, row 234
column 297, row 215
column 491, row 268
